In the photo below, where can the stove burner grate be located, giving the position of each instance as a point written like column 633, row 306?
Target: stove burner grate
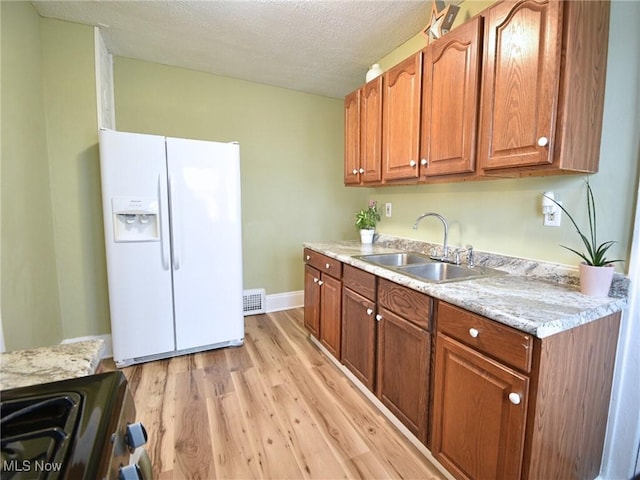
column 36, row 434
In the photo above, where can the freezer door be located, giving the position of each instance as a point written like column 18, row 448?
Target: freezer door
column 204, row 191
column 133, row 169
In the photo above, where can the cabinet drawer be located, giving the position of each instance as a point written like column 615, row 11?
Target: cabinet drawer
column 325, row 264
column 359, row 281
column 409, row 304
column 499, row 341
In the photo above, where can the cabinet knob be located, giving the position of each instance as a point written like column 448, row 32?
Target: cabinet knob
column 369, row 311
column 424, row 161
column 514, row 398
column 412, row 163
column 320, row 282
column 473, row 332
column 543, row 141
column 315, row 280
column 378, row 317
column 362, row 170
column 327, row 265
column 355, row 172
column 308, row 257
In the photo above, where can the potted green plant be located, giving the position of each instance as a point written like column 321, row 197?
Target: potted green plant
column 366, row 221
column 596, row 271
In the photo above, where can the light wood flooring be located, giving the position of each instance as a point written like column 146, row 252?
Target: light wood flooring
column 274, row 408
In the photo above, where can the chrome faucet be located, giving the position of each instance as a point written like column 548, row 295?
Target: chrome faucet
column 445, row 249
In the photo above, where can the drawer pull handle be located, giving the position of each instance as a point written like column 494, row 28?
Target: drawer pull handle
column 473, row 332
column 378, row 317
column 514, row 398
column 320, row 282
column 369, row 311
column 327, row 266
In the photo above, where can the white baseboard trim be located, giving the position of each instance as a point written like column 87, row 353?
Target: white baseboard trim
column 285, row 301
column 107, row 351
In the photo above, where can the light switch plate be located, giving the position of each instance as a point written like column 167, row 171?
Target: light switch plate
column 387, row 209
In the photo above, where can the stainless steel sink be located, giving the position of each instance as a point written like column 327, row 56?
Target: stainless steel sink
column 395, row 259
column 441, row 272
column 426, row 269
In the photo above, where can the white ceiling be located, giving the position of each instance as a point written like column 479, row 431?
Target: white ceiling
column 317, row 46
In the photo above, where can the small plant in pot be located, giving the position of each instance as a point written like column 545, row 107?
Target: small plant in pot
column 366, row 221
column 596, row 271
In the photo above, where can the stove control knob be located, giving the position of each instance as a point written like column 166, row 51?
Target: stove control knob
column 136, row 435
column 130, row 472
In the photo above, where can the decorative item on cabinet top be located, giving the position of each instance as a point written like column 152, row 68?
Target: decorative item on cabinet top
column 442, row 17
column 374, row 72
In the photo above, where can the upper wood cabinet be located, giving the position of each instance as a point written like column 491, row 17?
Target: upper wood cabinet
column 543, row 87
column 371, row 131
column 516, row 91
column 450, row 101
column 363, row 134
column 401, row 119
column 352, row 138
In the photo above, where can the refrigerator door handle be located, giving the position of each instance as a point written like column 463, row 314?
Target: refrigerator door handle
column 173, row 213
column 164, row 249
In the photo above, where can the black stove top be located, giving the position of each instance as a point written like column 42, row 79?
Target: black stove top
column 61, row 429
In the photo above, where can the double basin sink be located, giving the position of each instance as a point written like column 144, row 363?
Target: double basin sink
column 424, row 268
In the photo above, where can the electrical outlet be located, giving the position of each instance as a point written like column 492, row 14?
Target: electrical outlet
column 554, row 219
column 387, row 209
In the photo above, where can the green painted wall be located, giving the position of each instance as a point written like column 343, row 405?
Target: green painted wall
column 30, row 304
column 291, row 146
column 503, row 216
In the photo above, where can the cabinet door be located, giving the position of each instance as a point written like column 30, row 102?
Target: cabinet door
column 359, row 336
column 479, row 414
column 450, row 101
column 352, row 138
column 401, row 119
column 371, row 131
column 312, row 300
column 520, row 84
column 403, row 371
column 330, row 313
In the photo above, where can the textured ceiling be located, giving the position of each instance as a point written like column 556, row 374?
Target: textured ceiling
column 317, row 46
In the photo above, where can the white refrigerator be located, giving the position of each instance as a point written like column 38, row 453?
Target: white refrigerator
column 172, row 225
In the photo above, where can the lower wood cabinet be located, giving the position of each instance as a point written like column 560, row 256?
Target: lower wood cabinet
column 403, row 371
column 404, row 355
column 359, row 336
column 330, row 314
column 312, row 300
column 509, row 406
column 479, row 413
column 504, row 404
column 322, row 299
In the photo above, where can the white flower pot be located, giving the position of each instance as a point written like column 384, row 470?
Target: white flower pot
column 595, row 281
column 366, row 236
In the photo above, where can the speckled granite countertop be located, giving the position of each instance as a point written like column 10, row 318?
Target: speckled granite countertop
column 535, row 297
column 49, row 364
